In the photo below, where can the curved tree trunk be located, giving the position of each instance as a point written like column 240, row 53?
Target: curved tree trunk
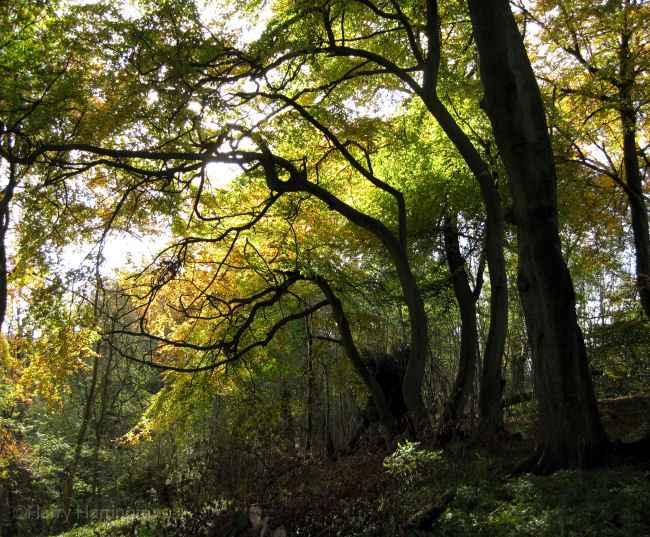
column 397, row 252
column 491, row 413
column 491, row 391
column 571, row 431
column 464, row 383
column 414, row 373
column 388, row 420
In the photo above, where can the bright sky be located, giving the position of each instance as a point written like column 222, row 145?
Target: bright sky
column 221, row 174
column 121, row 251
column 129, row 8
column 132, row 250
column 211, row 10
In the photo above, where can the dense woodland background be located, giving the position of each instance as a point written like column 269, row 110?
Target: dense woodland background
column 378, row 267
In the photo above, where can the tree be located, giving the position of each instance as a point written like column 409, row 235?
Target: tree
column 602, row 70
column 343, row 32
column 57, row 92
column 571, row 432
column 469, row 340
column 272, row 165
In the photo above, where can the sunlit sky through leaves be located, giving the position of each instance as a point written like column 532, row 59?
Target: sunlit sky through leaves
column 128, row 250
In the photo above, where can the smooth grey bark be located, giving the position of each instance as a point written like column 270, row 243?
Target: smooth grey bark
column 571, row 434
column 468, row 360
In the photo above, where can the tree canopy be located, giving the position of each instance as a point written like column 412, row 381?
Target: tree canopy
column 399, row 215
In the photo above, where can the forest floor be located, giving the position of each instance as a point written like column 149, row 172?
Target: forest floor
column 467, row 489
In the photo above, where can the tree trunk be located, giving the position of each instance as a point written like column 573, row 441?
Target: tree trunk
column 105, row 403
column 5, row 205
column 9, row 516
column 287, row 417
column 398, row 254
column 634, row 180
column 100, row 421
column 310, row 386
column 571, row 431
column 639, row 213
column 468, row 361
column 414, row 372
column 330, row 449
column 491, row 414
column 518, row 373
column 71, row 469
column 491, row 388
column 377, row 394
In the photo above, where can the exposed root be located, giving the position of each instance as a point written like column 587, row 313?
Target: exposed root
column 543, row 462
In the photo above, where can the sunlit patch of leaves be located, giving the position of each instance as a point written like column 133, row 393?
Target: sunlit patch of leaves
column 567, row 504
column 161, row 523
column 408, row 460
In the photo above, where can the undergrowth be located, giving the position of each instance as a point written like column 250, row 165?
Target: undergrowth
column 599, row 503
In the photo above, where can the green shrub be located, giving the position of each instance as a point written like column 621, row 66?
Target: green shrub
column 408, row 461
